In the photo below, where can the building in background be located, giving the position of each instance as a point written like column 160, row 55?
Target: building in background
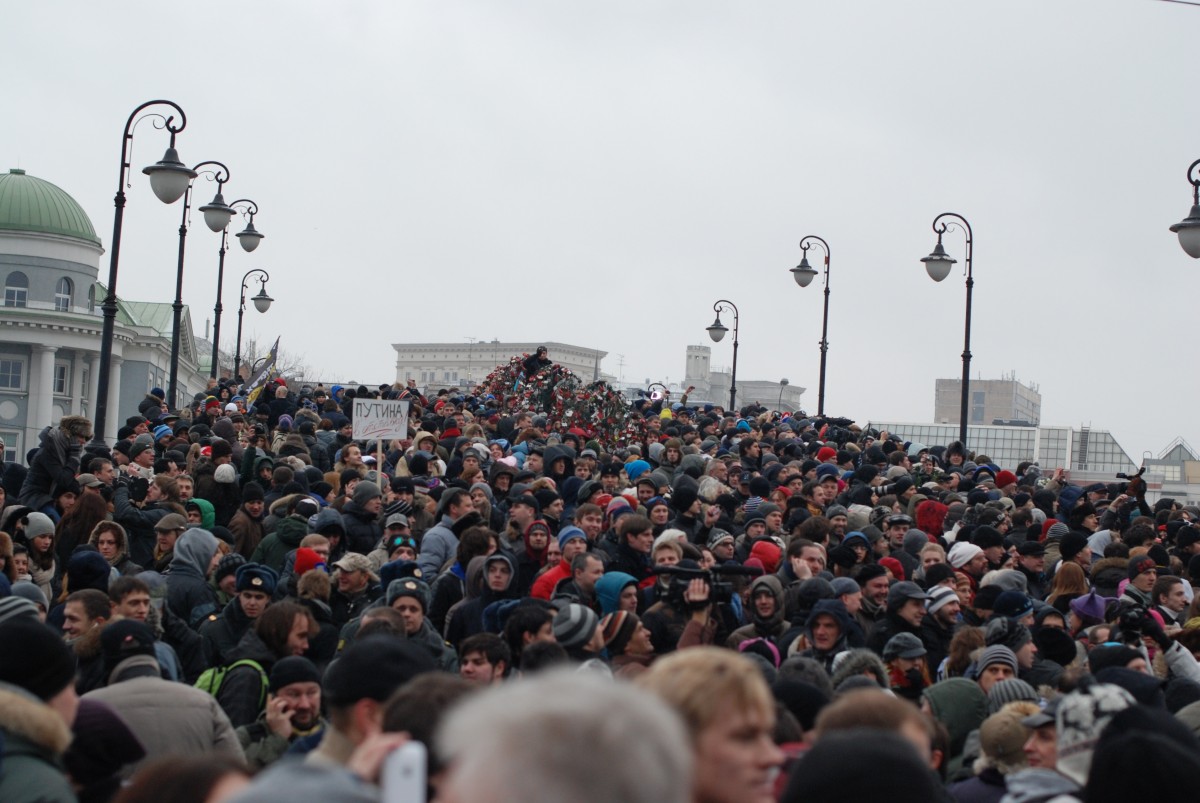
column 51, row 321
column 993, row 401
column 1090, row 455
column 434, row 366
column 712, row 385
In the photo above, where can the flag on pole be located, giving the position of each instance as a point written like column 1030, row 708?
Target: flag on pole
column 263, row 376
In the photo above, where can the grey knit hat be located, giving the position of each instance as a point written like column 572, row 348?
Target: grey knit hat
column 574, row 626
column 1007, row 691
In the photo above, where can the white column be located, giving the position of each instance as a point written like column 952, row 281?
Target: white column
column 116, row 417
column 41, row 385
column 93, row 383
column 76, row 389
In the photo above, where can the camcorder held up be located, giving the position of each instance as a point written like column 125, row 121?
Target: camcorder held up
column 720, row 589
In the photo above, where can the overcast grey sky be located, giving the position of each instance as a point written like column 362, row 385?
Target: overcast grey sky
column 601, row 173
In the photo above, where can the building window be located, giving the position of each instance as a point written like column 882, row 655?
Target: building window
column 62, row 379
column 12, row 443
column 62, row 295
column 92, row 298
column 977, row 414
column 16, row 289
column 12, row 373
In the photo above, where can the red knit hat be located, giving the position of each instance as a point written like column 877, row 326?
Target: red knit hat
column 894, row 566
column 1005, row 478
column 307, row 560
column 826, row 453
column 769, row 553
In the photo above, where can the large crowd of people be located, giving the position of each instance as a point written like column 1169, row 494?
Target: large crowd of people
column 239, row 601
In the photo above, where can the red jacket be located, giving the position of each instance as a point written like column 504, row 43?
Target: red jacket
column 543, row 587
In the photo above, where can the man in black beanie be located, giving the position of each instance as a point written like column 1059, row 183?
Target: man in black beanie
column 37, row 708
column 293, row 712
column 1074, row 548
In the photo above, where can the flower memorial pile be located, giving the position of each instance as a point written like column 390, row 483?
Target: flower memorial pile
column 595, row 410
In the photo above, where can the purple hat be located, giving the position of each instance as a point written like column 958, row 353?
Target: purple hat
column 1090, row 608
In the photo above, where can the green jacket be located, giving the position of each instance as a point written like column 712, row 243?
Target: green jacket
column 263, row 746
column 34, row 740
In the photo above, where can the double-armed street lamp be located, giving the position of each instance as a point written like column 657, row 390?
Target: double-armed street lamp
column 938, row 265
column 216, row 216
column 249, row 239
column 169, row 180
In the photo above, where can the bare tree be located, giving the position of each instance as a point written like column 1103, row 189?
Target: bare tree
column 287, row 363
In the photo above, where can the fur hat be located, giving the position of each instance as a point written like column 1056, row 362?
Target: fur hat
column 77, row 426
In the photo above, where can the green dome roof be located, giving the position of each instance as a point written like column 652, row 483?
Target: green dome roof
column 31, row 204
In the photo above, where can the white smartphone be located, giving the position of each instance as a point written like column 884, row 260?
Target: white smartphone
column 404, row 774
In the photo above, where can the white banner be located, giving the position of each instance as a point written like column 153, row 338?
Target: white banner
column 379, row 418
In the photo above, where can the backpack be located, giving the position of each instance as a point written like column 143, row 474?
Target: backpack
column 210, row 680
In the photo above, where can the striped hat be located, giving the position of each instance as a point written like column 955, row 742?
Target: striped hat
column 14, row 607
column 574, row 626
column 998, row 654
column 939, row 596
column 618, row 628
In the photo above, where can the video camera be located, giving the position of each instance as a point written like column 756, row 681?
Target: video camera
column 719, row 589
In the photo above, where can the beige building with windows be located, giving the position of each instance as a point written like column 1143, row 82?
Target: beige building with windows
column 1000, row 402
column 434, row 366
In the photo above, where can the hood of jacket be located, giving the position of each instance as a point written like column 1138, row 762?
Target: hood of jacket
column 771, row 584
column 693, row 465
column 291, row 531
column 193, row 553
column 328, row 517
column 279, row 506
column 223, row 428
column 1107, row 575
column 486, row 591
column 830, row 607
column 559, row 451
column 609, row 587
column 961, row 706
column 24, row 716
column 474, row 585
column 859, row 662
column 208, row 514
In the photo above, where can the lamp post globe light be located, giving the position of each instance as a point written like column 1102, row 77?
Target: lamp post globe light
column 783, row 383
column 717, row 332
column 262, row 302
column 1188, row 229
column 169, row 180
column 938, row 265
column 249, row 239
column 213, row 216
column 804, row 274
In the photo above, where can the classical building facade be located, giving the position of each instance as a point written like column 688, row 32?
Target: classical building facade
column 444, row 365
column 50, row 321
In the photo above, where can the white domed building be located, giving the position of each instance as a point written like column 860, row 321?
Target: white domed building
column 50, row 321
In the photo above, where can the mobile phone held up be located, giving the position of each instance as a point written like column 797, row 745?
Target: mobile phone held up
column 404, row 774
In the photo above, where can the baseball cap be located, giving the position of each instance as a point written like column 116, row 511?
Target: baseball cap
column 354, row 562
